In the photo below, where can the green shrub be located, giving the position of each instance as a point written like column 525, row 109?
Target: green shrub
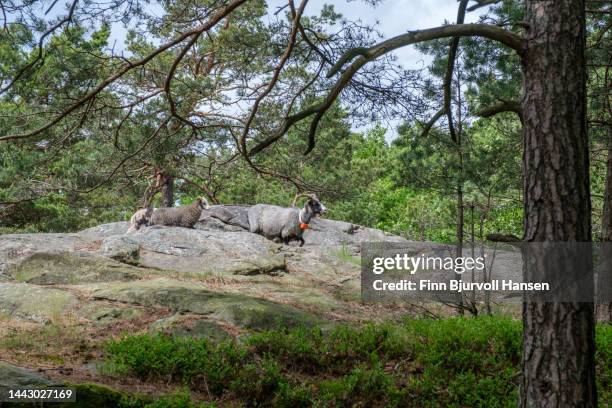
column 294, row 396
column 453, row 362
column 259, row 381
column 191, row 361
column 180, row 399
column 363, row 387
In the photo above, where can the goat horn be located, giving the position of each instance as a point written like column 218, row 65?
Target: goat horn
column 298, row 195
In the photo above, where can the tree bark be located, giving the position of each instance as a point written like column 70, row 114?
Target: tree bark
column 458, row 139
column 558, row 338
column 167, row 190
column 459, row 245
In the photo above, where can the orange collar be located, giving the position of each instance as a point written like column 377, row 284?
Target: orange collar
column 303, row 225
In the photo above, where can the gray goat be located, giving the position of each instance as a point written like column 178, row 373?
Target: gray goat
column 185, row 216
column 284, row 224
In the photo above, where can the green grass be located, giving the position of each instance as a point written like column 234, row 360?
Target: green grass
column 417, row 363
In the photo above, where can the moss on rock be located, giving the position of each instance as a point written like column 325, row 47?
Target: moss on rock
column 30, row 302
column 13, row 376
column 101, row 314
column 188, row 326
column 239, row 310
column 45, row 268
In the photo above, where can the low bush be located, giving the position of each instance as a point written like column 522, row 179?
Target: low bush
column 415, row 363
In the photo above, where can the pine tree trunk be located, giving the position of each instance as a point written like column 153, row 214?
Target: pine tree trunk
column 167, row 191
column 558, row 338
column 460, row 209
column 459, row 245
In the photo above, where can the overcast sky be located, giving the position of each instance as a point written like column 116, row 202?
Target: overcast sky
column 395, row 17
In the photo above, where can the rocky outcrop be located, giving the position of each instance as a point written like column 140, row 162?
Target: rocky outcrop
column 217, row 274
column 215, row 281
column 12, row 376
column 193, row 297
column 218, row 270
